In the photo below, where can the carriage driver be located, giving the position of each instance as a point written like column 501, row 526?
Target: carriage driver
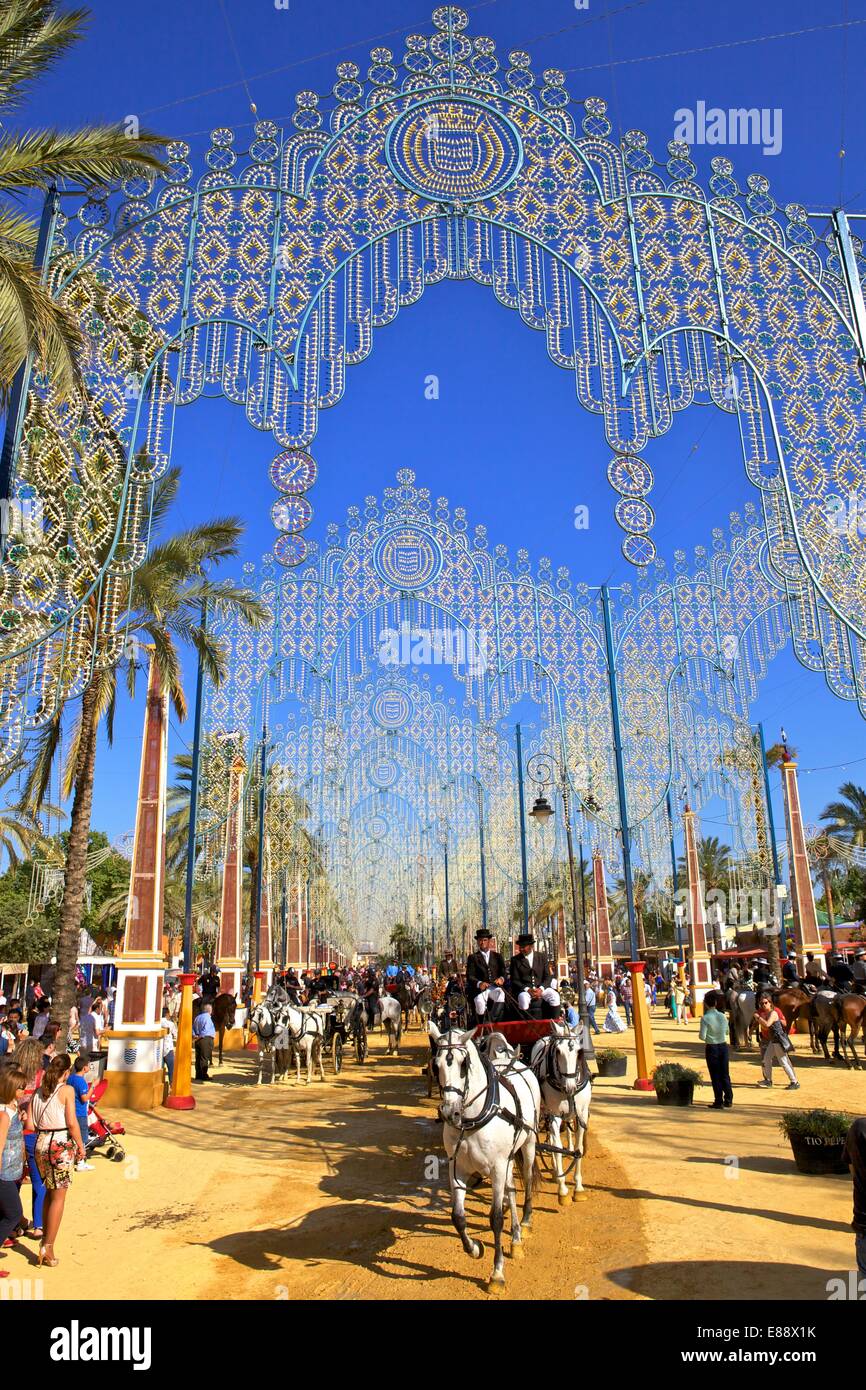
column 485, row 976
column 532, row 977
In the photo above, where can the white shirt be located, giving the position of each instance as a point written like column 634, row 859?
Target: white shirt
column 170, row 1039
column 90, row 1028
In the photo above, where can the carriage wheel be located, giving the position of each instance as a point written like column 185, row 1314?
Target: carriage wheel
column 361, row 1044
column 337, row 1053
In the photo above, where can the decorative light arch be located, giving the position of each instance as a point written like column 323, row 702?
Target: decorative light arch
column 266, row 276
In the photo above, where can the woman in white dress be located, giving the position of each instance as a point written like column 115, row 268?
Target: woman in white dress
column 612, row 1023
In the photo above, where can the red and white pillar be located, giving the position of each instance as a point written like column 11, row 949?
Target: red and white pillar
column 807, row 933
column 135, row 1042
column 700, row 969
column 229, row 961
column 602, row 942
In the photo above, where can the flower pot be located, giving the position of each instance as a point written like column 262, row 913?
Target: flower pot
column 816, row 1155
column 682, row 1093
column 612, row 1066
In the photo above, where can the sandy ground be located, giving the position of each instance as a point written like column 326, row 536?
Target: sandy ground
column 332, row 1191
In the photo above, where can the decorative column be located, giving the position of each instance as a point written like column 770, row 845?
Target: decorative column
column 807, row 933
column 561, row 946
column 645, row 1056
column 700, row 970
column 602, row 942
column 229, row 962
column 135, row 1043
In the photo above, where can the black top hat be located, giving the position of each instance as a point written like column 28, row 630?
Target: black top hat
column 526, row 939
column 482, row 932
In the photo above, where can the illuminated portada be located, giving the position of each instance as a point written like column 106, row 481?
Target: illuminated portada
column 454, row 151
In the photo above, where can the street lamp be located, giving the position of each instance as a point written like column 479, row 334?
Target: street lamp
column 542, row 810
column 543, row 768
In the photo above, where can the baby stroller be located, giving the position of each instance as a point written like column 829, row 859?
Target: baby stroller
column 102, row 1134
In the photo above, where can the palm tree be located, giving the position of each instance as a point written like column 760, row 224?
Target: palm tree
column 777, row 754
column 640, row 885
column 848, row 816
column 21, row 830
column 821, row 851
column 34, row 34
column 162, row 603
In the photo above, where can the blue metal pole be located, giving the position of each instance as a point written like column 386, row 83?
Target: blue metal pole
column 193, row 806
column 675, row 878
column 483, row 865
column 620, row 772
column 447, row 903
column 520, row 796
column 284, row 923
column 783, row 935
column 21, row 381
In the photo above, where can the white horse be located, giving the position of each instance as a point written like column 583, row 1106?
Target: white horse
column 268, row 1025
column 490, row 1114
column 391, row 1014
column 559, row 1063
column 741, row 1009
column 306, row 1029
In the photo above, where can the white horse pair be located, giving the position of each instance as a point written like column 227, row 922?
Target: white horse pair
column 559, row 1063
column 281, row 1026
column 490, row 1109
column 391, row 1014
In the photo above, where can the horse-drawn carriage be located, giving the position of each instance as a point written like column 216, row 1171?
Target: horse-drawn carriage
column 345, row 1020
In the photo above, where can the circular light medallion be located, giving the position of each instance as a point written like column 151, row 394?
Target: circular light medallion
column 293, row 471
column 391, row 709
column 407, row 558
column 383, row 773
column 634, row 514
column 290, row 551
column 639, row 550
column 454, row 150
column 291, row 513
column 377, row 827
column 629, row 475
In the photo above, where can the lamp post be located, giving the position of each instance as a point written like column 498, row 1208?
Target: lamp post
column 542, row 769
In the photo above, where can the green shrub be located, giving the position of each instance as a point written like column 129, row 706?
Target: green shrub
column 831, row 1125
column 609, row 1054
column 668, row 1075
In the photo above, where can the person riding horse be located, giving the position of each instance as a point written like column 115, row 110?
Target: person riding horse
column 858, row 970
column 841, row 975
column 532, row 980
column 485, row 979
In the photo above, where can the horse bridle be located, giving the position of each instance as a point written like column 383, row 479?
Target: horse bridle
column 554, row 1075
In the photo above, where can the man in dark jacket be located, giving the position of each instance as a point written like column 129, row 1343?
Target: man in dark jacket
column 532, row 980
column 485, row 978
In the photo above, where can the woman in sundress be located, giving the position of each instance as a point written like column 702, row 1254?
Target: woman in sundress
column 58, row 1144
column 613, row 1022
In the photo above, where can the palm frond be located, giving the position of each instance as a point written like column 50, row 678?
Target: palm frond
column 93, row 155
column 31, row 321
column 33, row 37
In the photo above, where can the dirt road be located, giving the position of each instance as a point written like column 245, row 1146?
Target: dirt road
column 337, row 1191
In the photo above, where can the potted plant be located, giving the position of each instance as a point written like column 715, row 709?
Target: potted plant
column 675, row 1084
column 817, row 1139
column 611, row 1062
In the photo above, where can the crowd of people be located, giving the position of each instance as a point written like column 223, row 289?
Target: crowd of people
column 45, row 1091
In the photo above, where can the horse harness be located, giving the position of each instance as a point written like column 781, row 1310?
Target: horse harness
column 551, row 1073
column 491, row 1109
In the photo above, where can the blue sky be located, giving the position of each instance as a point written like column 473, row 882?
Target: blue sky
column 506, row 438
